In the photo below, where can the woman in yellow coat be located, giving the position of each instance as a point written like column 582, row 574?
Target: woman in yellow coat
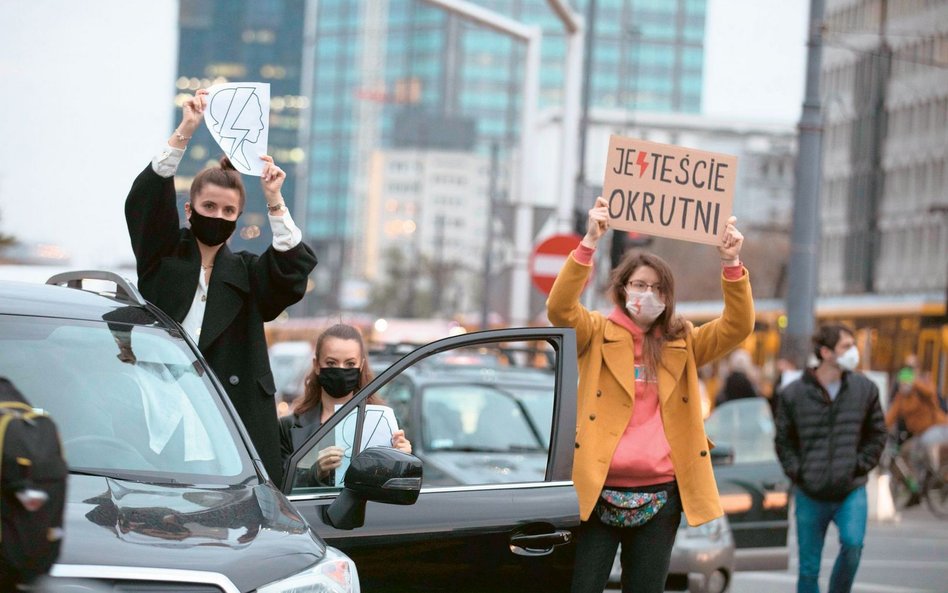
column 642, row 456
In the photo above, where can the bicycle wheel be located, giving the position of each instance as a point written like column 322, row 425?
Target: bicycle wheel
column 901, row 487
column 936, row 492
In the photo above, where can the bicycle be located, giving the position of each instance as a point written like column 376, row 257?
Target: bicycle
column 936, row 483
column 908, row 488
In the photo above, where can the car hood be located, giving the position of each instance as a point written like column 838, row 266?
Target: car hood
column 468, row 467
column 232, row 530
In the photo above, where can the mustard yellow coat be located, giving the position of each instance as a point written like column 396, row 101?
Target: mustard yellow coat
column 607, row 391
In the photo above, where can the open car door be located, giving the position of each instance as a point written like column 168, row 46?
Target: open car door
column 506, row 529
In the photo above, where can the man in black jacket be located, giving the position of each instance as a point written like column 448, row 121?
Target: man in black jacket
column 830, row 434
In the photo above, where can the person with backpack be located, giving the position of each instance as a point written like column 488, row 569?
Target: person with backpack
column 32, row 490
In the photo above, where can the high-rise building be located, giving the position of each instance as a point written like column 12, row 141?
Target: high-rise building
column 373, row 61
column 885, row 168
column 349, row 75
column 259, row 41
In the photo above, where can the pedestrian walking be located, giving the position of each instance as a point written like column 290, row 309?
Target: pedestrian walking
column 830, row 434
column 642, row 456
column 221, row 298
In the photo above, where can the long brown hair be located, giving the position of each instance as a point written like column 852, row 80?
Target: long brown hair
column 312, row 390
column 669, row 325
column 223, row 175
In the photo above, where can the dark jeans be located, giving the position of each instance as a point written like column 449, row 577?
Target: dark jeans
column 813, row 518
column 646, row 549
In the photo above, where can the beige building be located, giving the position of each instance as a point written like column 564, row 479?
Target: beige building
column 431, row 207
column 885, row 144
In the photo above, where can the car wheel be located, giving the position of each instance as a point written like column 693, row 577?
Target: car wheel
column 717, row 582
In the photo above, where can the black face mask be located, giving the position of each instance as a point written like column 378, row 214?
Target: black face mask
column 211, row 231
column 338, row 381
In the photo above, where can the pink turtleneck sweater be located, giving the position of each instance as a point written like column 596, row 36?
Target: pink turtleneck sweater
column 643, row 455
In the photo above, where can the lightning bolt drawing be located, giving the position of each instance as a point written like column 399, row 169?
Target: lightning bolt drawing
column 240, row 120
column 642, row 163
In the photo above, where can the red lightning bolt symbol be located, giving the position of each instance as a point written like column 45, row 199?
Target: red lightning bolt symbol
column 641, row 162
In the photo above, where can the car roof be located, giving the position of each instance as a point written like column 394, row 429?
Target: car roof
column 43, row 300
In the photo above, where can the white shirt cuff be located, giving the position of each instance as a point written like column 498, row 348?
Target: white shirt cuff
column 286, row 235
column 166, row 162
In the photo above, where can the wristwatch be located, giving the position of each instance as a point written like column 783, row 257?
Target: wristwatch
column 274, row 209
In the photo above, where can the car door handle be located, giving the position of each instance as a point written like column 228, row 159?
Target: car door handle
column 540, row 544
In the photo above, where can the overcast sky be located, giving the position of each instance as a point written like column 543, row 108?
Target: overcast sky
column 86, row 89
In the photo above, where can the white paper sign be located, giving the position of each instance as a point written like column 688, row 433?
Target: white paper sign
column 238, row 116
column 377, row 431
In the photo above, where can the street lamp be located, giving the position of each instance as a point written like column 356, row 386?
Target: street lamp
column 575, row 30
column 523, row 228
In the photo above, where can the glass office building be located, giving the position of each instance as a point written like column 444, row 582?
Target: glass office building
column 259, row 41
column 374, row 71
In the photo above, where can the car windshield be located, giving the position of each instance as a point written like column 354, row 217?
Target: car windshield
column 746, row 426
column 477, row 418
column 129, row 401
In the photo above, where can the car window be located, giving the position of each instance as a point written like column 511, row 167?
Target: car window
column 746, row 426
column 473, row 420
column 476, row 418
column 128, row 400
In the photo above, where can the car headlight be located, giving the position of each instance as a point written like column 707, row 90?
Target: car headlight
column 335, row 573
column 712, row 530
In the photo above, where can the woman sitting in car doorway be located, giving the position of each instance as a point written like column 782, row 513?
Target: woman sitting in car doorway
column 340, row 369
column 642, row 456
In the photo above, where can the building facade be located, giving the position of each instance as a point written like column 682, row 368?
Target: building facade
column 259, row 41
column 343, row 74
column 885, row 169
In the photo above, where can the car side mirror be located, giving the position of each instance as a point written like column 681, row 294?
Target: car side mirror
column 722, row 455
column 379, row 474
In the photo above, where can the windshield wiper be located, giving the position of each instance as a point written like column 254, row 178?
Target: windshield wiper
column 128, row 477
column 486, row 449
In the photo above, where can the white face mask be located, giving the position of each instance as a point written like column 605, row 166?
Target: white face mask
column 644, row 307
column 849, row 360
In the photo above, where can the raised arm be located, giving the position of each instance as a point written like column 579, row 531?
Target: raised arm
column 151, row 211
column 282, row 272
column 718, row 337
column 563, row 307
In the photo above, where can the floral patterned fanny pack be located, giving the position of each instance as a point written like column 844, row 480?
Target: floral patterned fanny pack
column 623, row 508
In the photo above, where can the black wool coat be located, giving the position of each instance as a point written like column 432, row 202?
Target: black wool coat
column 245, row 291
column 827, row 447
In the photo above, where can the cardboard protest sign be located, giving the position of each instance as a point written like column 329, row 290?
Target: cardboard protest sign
column 668, row 191
column 238, row 117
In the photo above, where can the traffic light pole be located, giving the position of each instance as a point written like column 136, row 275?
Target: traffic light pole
column 805, row 240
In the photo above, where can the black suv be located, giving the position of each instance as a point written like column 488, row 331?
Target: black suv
column 166, row 492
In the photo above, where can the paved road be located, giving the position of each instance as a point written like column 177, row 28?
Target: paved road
column 909, row 555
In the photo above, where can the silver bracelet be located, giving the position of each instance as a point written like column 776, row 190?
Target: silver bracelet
column 181, row 136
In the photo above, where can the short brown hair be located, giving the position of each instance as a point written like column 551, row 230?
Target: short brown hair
column 828, row 335
column 223, row 175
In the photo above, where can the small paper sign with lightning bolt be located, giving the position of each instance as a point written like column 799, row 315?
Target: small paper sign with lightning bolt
column 668, row 191
column 238, row 116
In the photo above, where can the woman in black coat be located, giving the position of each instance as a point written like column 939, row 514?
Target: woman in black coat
column 221, row 298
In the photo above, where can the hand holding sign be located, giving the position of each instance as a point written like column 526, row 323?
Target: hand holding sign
column 271, row 180
column 731, row 243
column 597, row 223
column 238, row 116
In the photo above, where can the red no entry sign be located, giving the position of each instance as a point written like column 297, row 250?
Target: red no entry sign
column 548, row 257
